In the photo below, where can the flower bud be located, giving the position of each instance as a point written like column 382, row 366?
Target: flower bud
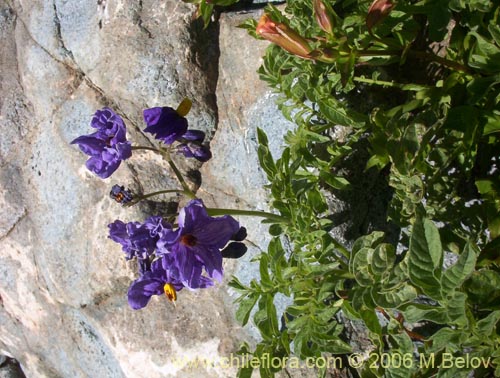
column 379, row 10
column 200, row 152
column 234, row 250
column 184, row 107
column 323, row 16
column 283, row 36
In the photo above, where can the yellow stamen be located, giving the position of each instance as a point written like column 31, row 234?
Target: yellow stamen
column 184, row 107
column 170, row 292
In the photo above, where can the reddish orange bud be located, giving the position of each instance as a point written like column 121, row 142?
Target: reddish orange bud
column 323, row 16
column 283, row 36
column 379, row 10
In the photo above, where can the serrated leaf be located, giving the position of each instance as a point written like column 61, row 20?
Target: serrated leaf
column 336, row 113
column 486, row 326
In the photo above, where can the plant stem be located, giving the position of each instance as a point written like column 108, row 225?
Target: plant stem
column 250, row 213
column 146, row 148
column 417, row 54
column 392, row 84
column 187, row 191
column 143, row 197
column 436, row 58
column 165, row 153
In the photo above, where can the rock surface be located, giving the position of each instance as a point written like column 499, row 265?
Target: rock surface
column 63, row 308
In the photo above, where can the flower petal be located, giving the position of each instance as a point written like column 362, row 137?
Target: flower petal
column 194, row 135
column 211, row 258
column 90, row 145
column 216, row 232
column 141, row 291
column 165, row 123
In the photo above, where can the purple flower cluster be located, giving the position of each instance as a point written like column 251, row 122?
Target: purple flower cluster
column 168, row 126
column 108, row 146
column 180, row 257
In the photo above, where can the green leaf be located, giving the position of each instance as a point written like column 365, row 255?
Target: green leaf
column 370, row 318
column 455, row 307
column 265, row 157
column 236, row 284
column 491, row 122
column 271, row 314
column 336, row 182
column 461, row 118
column 400, row 295
column 425, row 257
column 275, row 230
column 479, row 87
column 245, row 306
column 439, row 18
column 316, row 201
column 265, row 278
column 494, row 30
column 448, row 339
column 370, row 241
column 484, row 55
column 245, row 372
column 335, row 112
column 360, row 267
column 486, row 327
column 250, row 25
column 414, row 313
column 482, row 288
column 205, row 11
column 454, row 276
column 383, row 260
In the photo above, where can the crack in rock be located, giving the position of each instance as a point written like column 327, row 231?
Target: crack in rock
column 59, row 36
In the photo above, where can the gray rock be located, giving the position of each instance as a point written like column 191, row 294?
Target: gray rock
column 63, row 285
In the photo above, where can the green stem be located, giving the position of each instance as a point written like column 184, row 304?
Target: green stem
column 250, row 213
column 417, row 54
column 165, row 153
column 392, row 84
column 187, row 191
column 143, row 197
column 436, row 58
column 146, row 148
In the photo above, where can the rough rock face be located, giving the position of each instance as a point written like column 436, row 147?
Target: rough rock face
column 63, row 308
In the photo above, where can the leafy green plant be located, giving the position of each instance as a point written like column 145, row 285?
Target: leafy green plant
column 418, row 82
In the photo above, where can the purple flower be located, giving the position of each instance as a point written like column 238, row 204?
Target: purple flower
column 162, row 278
column 108, row 146
column 195, row 150
column 199, row 239
column 193, row 136
column 191, row 146
column 138, row 239
column 165, row 123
